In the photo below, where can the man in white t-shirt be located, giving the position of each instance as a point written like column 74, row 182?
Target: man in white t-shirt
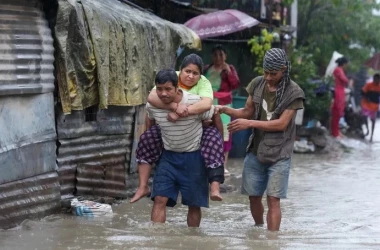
column 181, row 167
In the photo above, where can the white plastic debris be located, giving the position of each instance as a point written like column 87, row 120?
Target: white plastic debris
column 90, row 208
column 303, row 146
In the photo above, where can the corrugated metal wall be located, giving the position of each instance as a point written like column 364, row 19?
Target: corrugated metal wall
column 27, row 52
column 94, row 151
column 29, row 198
column 27, row 128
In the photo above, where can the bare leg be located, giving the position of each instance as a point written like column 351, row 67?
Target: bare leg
column 365, row 121
column 215, row 192
column 159, row 209
column 257, row 209
column 274, row 213
column 143, row 189
column 194, row 217
column 373, row 128
column 226, row 172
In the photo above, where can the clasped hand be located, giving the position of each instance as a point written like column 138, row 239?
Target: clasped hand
column 218, row 109
column 181, row 111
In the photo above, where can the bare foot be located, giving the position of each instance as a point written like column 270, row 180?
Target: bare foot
column 226, row 173
column 215, row 193
column 215, row 196
column 140, row 193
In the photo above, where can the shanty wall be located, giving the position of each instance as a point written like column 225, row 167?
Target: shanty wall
column 94, row 151
column 29, row 186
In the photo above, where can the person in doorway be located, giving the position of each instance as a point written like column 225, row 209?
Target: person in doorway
column 339, row 102
column 224, row 79
column 272, row 104
column 150, row 144
column 181, row 166
column 370, row 101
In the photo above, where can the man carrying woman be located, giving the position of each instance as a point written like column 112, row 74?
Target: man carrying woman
column 181, row 167
column 150, row 145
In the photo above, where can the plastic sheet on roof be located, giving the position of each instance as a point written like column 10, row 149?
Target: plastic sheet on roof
column 108, row 52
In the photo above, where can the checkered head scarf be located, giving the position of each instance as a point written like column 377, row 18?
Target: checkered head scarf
column 274, row 60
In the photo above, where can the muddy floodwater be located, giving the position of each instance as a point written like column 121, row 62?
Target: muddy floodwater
column 333, row 203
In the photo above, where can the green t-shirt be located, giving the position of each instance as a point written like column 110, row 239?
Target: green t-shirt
column 202, row 88
column 215, row 78
column 266, row 110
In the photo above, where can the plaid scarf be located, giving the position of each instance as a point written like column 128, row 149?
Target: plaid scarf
column 274, row 60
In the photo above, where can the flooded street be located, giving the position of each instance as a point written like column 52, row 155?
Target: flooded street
column 333, row 203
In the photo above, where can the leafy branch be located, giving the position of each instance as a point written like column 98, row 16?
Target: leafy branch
column 259, row 45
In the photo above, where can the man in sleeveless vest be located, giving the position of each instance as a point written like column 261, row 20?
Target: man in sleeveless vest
column 270, row 112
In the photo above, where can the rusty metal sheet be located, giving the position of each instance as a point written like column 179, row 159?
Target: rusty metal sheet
column 29, row 198
column 86, row 147
column 98, row 180
column 67, row 175
column 107, row 152
column 26, row 49
column 114, row 120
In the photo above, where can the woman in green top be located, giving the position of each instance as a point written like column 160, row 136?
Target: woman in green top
column 224, row 79
column 150, row 145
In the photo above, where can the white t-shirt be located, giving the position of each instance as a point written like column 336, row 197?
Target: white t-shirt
column 185, row 134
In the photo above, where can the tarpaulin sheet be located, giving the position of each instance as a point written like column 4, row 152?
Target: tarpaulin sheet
column 108, row 52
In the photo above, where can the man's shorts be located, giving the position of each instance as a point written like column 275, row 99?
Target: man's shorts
column 181, row 172
column 258, row 177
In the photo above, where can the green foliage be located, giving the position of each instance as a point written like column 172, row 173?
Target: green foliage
column 287, row 2
column 337, row 25
column 303, row 72
column 259, row 45
column 303, row 67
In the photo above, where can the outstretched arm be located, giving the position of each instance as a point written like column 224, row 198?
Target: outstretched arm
column 245, row 113
column 276, row 125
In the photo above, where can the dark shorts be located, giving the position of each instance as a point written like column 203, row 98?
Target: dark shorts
column 215, row 174
column 181, row 172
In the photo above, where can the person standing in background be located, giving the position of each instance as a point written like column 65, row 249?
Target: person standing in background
column 339, row 102
column 224, row 79
column 370, row 101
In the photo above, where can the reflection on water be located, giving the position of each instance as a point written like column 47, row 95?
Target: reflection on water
column 332, row 204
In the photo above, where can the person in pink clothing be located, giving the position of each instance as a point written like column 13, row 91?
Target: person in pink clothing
column 341, row 81
column 224, row 79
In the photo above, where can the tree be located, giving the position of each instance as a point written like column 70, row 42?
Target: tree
column 346, row 26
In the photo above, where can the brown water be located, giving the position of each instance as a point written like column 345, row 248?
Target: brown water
column 333, row 203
